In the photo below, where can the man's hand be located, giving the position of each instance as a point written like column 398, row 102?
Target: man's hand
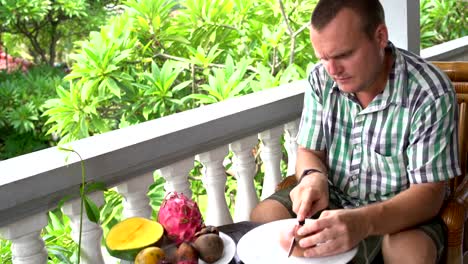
column 336, row 231
column 310, row 195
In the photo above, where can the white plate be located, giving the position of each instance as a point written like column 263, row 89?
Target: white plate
column 261, row 246
column 229, row 250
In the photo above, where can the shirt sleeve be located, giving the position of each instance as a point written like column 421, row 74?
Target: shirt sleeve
column 310, row 133
column 433, row 141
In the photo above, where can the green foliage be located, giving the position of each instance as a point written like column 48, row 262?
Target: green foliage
column 111, row 211
column 49, row 28
column 5, row 251
column 147, row 63
column 22, row 97
column 153, row 25
column 161, row 88
column 56, row 235
column 442, row 20
column 225, row 83
column 156, row 193
column 264, row 79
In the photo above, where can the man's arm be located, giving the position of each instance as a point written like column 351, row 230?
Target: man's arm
column 345, row 228
column 310, row 159
column 311, row 194
column 418, row 203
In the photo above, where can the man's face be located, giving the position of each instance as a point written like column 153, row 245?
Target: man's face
column 350, row 57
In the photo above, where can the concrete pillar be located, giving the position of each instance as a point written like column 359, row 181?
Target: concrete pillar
column 402, row 18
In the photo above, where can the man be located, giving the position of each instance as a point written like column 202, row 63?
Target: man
column 378, row 138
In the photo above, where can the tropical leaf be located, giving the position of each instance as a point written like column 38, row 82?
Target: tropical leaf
column 92, row 211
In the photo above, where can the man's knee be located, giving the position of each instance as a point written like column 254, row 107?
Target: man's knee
column 411, row 246
column 269, row 210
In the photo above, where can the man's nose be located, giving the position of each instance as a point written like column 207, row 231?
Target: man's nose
column 334, row 68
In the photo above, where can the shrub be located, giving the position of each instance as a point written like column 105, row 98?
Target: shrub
column 22, row 97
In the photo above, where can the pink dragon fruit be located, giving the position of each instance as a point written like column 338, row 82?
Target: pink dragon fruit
column 180, row 217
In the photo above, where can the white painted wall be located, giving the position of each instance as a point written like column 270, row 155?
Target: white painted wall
column 402, row 18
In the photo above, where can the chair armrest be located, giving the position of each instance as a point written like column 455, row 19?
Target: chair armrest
column 453, row 214
column 461, row 193
column 287, row 182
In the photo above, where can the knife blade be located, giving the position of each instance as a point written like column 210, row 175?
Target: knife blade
column 294, row 240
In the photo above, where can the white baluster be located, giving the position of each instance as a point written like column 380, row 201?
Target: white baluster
column 135, row 191
column 27, row 244
column 176, row 176
column 214, row 179
column 271, row 156
column 292, row 129
column 244, row 165
column 91, row 232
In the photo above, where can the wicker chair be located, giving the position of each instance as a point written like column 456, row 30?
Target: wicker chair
column 454, row 211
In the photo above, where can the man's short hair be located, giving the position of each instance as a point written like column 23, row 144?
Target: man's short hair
column 370, row 11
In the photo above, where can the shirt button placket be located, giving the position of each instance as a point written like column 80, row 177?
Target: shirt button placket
column 356, row 134
column 356, row 139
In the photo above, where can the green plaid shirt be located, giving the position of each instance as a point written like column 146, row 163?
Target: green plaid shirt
column 406, row 135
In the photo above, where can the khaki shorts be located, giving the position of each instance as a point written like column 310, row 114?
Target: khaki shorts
column 370, row 248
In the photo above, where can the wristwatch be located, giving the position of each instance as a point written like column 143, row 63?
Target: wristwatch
column 309, row 171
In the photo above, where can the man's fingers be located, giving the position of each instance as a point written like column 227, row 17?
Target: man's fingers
column 314, row 237
column 296, row 206
column 316, row 207
column 315, row 226
column 331, row 247
column 306, row 202
column 299, row 210
column 305, row 209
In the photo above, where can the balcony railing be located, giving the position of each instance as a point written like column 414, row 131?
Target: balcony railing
column 31, row 185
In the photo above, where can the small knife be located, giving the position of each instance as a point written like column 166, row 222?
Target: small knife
column 293, row 241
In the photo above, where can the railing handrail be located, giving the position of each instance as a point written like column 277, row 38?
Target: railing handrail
column 36, row 182
column 450, row 50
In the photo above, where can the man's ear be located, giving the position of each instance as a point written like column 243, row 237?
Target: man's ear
column 381, row 35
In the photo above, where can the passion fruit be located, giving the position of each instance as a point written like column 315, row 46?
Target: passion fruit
column 210, row 247
column 207, row 230
column 186, row 253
